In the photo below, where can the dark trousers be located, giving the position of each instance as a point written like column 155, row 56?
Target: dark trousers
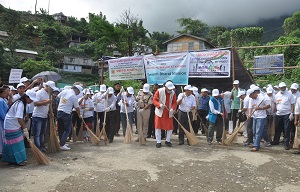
column 110, row 125
column 250, row 130
column 215, row 126
column 151, row 131
column 282, row 125
column 183, row 120
column 293, row 131
column 117, row 120
column 203, row 120
column 100, row 117
column 234, row 116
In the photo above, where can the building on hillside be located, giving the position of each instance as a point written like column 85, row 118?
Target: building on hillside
column 74, row 40
column 3, row 35
column 26, row 54
column 78, row 64
column 60, row 17
column 186, row 42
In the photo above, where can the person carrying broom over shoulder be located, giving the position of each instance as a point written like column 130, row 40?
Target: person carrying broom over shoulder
column 165, row 104
column 215, row 117
column 186, row 102
column 86, row 111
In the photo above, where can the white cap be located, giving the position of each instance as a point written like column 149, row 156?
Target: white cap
column 188, row 87
column 236, row 82
column 102, row 88
column 269, row 90
column 20, row 85
column 67, row 87
column 294, row 86
column 79, row 88
column 276, row 86
column 96, row 91
column 282, row 84
column 130, row 90
column 170, row 85
column 240, row 93
column 264, row 87
column 250, row 91
column 87, row 91
column 12, row 88
column 215, row 92
column 31, row 94
column 204, row 90
column 23, row 79
column 252, row 85
column 195, row 88
column 146, row 88
column 256, row 88
column 110, row 90
column 51, row 84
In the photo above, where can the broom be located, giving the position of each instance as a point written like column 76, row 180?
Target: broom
column 95, row 139
column 224, row 137
column 230, row 139
column 74, row 136
column 103, row 131
column 192, row 138
column 296, row 142
column 40, row 157
column 187, row 113
column 80, row 133
column 128, row 134
column 53, row 144
column 97, row 126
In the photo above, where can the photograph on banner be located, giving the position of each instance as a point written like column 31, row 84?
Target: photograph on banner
column 173, row 66
column 15, row 75
column 126, row 68
column 269, row 61
column 210, row 64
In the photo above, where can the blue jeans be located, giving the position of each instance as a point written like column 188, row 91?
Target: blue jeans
column 258, row 129
column 124, row 121
column 39, row 129
column 64, row 126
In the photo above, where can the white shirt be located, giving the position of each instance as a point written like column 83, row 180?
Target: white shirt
column 99, row 100
column 41, row 111
column 68, row 99
column 84, row 107
column 130, row 101
column 260, row 102
column 270, row 111
column 15, row 97
column 11, row 119
column 187, row 102
column 111, row 103
column 296, row 95
column 297, row 107
column 227, row 101
column 284, row 102
column 212, row 107
column 246, row 104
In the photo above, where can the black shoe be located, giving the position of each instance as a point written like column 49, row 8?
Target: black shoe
column 117, row 134
column 158, row 145
column 287, row 147
column 154, row 137
column 168, row 144
column 110, row 141
column 181, row 143
column 148, row 136
column 188, row 143
column 274, row 143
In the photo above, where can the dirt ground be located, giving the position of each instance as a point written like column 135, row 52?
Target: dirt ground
column 131, row 167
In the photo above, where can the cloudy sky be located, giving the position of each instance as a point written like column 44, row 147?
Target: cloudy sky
column 161, row 15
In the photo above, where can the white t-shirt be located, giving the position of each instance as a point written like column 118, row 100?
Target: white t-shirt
column 41, row 111
column 130, row 100
column 11, row 119
column 68, row 99
column 187, row 102
column 86, row 104
column 261, row 102
column 284, row 102
column 99, row 100
column 297, row 107
column 16, row 96
column 246, row 103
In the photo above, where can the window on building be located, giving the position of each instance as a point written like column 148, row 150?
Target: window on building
column 191, row 46
column 71, row 59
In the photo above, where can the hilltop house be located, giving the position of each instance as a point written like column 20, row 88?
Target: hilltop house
column 71, row 63
column 60, row 17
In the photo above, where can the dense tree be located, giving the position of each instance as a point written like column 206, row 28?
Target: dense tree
column 192, row 26
column 31, row 67
column 214, row 33
column 292, row 23
column 157, row 38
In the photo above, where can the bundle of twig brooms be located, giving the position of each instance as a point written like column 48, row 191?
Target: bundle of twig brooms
column 95, row 139
column 128, row 134
column 53, row 144
column 231, row 138
column 296, row 142
column 103, row 131
column 40, row 157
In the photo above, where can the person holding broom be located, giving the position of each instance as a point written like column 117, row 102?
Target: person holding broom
column 165, row 104
column 86, row 111
column 215, row 116
column 111, row 112
column 15, row 130
column 296, row 120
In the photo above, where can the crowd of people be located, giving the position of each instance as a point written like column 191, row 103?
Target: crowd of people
column 269, row 114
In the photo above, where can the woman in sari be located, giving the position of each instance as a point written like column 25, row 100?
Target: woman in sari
column 4, row 91
column 14, row 129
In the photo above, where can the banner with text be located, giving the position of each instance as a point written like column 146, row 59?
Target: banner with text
column 269, row 61
column 172, row 66
column 126, row 68
column 15, row 75
column 210, row 64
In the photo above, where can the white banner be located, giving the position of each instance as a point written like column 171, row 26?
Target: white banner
column 210, row 64
column 126, row 68
column 15, row 75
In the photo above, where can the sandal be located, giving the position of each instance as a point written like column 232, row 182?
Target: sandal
column 22, row 163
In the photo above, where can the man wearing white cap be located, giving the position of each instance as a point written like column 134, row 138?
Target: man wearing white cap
column 203, row 108
column 144, row 102
column 296, row 94
column 186, row 103
column 285, row 102
column 271, row 111
column 276, row 89
column 99, row 101
column 165, row 104
column 216, row 112
column 235, row 104
column 111, row 111
column 68, row 100
column 40, row 115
